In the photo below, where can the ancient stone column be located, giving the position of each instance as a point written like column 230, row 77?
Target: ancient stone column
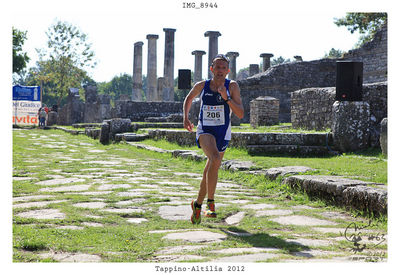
column 298, row 58
column 151, row 67
column 266, row 60
column 169, row 65
column 137, row 72
column 198, row 65
column 162, row 90
column 212, row 47
column 232, row 64
column 253, row 69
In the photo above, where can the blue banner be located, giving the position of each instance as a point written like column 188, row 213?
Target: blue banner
column 28, row 93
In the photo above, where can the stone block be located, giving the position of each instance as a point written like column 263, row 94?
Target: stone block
column 119, row 125
column 383, row 136
column 264, row 111
column 350, row 125
column 105, row 133
column 52, row 118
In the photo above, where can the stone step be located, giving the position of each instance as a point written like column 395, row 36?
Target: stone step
column 288, row 149
column 130, row 137
column 356, row 194
column 244, row 140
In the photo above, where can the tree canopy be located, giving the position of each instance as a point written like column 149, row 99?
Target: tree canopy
column 366, row 23
column 64, row 63
column 20, row 58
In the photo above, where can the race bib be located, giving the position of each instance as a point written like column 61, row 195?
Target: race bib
column 213, row 115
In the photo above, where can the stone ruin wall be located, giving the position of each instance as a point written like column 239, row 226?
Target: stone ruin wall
column 311, row 108
column 281, row 80
column 138, row 111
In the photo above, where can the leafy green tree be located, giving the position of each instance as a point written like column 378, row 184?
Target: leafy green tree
column 366, row 23
column 66, row 60
column 333, row 53
column 42, row 75
column 119, row 85
column 279, row 60
column 20, row 58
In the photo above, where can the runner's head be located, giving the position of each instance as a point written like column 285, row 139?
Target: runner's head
column 220, row 66
column 220, row 57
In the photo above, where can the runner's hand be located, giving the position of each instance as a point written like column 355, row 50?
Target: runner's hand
column 188, row 125
column 222, row 91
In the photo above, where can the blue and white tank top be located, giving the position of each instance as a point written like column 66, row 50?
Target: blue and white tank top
column 215, row 113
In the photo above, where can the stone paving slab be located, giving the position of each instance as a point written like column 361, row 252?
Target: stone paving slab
column 236, row 218
column 247, row 258
column 311, row 242
column 43, row 214
column 91, row 205
column 301, row 220
column 277, row 212
column 81, row 187
column 180, row 249
column 123, row 210
column 259, row 206
column 58, row 181
column 175, row 213
column 196, row 236
column 33, row 197
column 36, row 204
column 238, row 250
column 177, row 258
column 71, row 257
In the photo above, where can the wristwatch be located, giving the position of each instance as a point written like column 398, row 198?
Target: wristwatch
column 228, row 99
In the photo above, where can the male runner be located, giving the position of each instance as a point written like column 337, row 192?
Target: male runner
column 219, row 96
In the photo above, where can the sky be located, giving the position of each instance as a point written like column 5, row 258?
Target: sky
column 247, row 27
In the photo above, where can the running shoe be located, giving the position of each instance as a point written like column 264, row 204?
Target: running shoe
column 196, row 216
column 210, row 210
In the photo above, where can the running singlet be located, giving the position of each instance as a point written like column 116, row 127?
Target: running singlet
column 214, row 117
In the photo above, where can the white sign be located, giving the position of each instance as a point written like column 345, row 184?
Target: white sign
column 25, row 112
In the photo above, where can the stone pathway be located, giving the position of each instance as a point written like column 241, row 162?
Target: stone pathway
column 107, row 191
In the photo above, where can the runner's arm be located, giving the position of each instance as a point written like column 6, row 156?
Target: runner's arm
column 236, row 103
column 196, row 90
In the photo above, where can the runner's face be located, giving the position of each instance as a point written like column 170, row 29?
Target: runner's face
column 220, row 69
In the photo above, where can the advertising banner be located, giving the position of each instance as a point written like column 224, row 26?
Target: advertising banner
column 26, row 103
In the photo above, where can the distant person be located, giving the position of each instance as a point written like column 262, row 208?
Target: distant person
column 219, row 97
column 42, row 117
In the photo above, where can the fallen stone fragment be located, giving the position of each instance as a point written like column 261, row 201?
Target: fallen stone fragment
column 273, row 173
column 235, row 219
column 236, row 165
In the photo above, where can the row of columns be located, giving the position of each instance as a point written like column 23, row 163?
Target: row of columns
column 162, row 88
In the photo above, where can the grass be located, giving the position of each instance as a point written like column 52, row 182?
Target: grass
column 369, row 165
column 39, row 154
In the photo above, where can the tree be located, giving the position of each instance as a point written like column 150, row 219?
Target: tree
column 65, row 61
column 119, row 85
column 43, row 75
column 333, row 53
column 279, row 60
column 366, row 23
column 20, row 58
